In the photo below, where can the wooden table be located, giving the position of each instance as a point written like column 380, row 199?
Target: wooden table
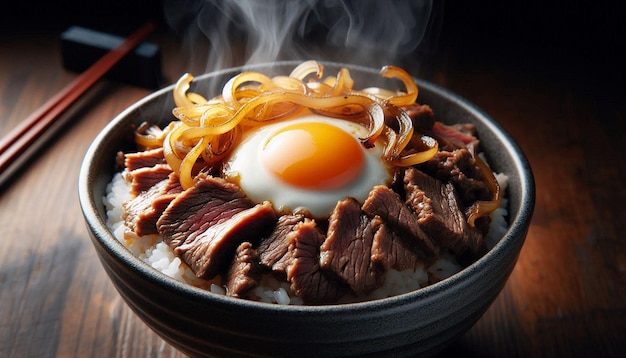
column 566, row 296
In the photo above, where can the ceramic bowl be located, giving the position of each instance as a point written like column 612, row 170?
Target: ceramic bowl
column 200, row 323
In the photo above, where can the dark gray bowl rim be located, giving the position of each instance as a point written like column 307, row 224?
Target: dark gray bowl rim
column 518, row 224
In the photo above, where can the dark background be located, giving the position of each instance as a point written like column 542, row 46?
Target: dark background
column 579, row 44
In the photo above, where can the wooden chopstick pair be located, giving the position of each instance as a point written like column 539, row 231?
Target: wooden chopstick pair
column 15, row 144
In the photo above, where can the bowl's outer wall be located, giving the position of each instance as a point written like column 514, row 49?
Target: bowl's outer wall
column 200, row 323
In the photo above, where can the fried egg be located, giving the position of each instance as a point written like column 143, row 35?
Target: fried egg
column 308, row 163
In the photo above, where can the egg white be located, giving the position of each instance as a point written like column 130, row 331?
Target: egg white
column 261, row 185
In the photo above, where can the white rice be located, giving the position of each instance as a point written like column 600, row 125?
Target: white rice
column 160, row 256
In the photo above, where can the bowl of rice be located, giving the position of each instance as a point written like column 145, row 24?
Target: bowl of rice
column 188, row 301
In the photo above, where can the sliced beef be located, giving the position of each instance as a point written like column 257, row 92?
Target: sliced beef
column 421, row 115
column 456, row 136
column 144, row 159
column 389, row 251
column 209, row 202
column 444, row 163
column 459, row 167
column 467, row 129
column 145, row 177
column 308, row 282
column 142, row 212
column 387, row 204
column 137, row 211
column 439, row 215
column 348, row 245
column 173, row 185
column 206, row 223
column 244, row 273
column 274, row 250
column 210, row 250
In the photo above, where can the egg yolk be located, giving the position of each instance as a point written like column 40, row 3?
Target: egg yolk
column 313, row 155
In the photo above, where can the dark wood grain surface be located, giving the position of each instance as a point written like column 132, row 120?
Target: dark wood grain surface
column 565, row 297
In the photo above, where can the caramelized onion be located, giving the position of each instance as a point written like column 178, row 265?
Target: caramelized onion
column 229, row 91
column 418, row 157
column 290, row 84
column 180, row 91
column 411, row 88
column 196, row 98
column 189, row 161
column 307, row 68
column 382, row 93
column 149, row 136
column 405, row 131
column 215, row 120
column 343, row 83
column 191, row 115
column 169, row 143
column 376, row 125
column 484, row 208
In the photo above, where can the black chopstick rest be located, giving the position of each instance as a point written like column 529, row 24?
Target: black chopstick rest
column 82, row 47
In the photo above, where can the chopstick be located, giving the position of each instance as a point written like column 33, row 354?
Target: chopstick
column 16, row 143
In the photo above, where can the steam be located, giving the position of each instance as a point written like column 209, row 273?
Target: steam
column 230, row 33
